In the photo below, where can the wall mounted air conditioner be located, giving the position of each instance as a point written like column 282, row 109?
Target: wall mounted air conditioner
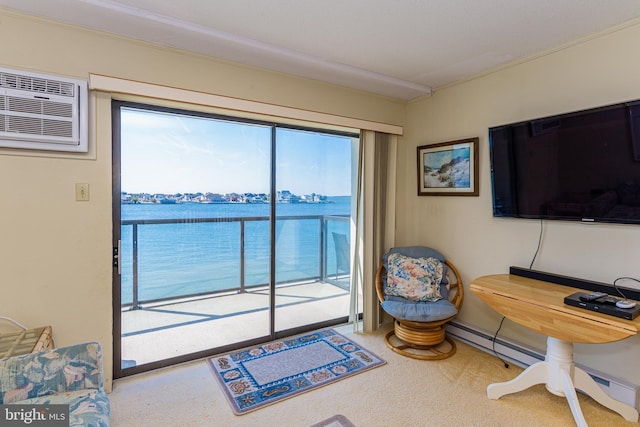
column 43, row 112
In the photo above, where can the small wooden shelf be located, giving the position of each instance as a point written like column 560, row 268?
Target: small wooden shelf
column 24, row 342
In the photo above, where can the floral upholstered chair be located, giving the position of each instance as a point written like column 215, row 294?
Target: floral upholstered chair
column 69, row 375
column 422, row 291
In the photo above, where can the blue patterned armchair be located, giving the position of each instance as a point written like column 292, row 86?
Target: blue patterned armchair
column 69, row 375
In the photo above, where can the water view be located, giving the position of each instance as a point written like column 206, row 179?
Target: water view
column 194, row 248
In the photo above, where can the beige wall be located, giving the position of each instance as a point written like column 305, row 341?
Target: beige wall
column 598, row 72
column 55, row 253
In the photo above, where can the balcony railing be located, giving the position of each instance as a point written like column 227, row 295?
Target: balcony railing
column 165, row 259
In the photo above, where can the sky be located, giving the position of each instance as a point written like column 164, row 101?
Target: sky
column 436, row 157
column 171, row 153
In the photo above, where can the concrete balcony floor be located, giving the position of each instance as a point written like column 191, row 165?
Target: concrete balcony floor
column 175, row 328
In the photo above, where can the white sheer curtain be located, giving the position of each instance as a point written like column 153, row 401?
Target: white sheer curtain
column 373, row 228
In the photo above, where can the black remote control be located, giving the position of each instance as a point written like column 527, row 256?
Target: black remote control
column 607, row 300
column 593, row 296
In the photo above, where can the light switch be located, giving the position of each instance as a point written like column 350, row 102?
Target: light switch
column 82, row 192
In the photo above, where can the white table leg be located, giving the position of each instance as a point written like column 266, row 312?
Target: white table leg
column 559, row 358
column 572, row 398
column 534, row 374
column 561, row 377
column 586, row 384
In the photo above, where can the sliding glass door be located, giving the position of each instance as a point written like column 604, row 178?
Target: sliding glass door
column 313, row 187
column 227, row 233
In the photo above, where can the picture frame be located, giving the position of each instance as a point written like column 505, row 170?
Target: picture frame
column 448, row 168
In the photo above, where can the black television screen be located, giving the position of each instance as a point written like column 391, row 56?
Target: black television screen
column 580, row 166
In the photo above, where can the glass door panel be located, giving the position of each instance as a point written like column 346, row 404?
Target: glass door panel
column 313, row 190
column 194, row 227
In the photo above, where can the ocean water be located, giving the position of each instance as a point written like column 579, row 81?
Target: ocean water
column 187, row 258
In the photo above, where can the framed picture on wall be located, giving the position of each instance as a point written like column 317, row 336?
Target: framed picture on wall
column 449, row 168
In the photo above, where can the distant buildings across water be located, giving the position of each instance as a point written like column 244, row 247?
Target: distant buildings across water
column 283, row 196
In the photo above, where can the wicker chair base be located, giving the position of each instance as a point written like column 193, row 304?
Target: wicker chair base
column 422, row 344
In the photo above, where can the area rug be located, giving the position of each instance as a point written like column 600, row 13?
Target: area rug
column 265, row 374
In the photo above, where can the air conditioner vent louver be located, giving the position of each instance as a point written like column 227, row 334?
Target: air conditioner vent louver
column 37, row 106
column 36, row 126
column 36, row 84
column 43, row 112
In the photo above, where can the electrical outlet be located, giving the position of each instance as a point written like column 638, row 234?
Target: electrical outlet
column 82, row 192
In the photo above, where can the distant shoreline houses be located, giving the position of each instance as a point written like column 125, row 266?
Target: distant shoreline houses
column 283, row 196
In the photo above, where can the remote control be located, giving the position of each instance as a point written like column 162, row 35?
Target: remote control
column 593, row 296
column 608, row 300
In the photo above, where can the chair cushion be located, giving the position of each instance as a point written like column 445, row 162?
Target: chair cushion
column 424, row 252
column 418, row 311
column 417, row 279
column 71, row 368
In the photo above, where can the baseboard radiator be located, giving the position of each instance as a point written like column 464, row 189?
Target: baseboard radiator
column 524, row 357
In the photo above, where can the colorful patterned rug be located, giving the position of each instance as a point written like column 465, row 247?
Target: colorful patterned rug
column 265, row 374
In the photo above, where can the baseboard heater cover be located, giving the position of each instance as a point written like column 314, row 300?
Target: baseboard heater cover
column 524, row 357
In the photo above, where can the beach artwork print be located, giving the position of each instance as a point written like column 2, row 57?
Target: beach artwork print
column 449, row 168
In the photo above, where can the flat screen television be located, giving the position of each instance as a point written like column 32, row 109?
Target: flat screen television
column 579, row 166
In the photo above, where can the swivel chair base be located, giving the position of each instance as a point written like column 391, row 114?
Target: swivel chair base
column 420, row 343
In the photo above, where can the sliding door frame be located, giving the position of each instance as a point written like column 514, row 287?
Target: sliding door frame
column 116, row 107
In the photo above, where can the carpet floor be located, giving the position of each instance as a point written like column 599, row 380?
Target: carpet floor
column 403, row 392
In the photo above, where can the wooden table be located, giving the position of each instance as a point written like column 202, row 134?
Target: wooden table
column 27, row 341
column 539, row 306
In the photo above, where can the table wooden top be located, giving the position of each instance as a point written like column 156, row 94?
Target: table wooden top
column 539, row 306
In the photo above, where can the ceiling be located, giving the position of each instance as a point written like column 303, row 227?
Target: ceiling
column 398, row 48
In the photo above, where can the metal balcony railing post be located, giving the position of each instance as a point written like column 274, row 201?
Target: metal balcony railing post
column 135, row 304
column 242, row 284
column 323, row 247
